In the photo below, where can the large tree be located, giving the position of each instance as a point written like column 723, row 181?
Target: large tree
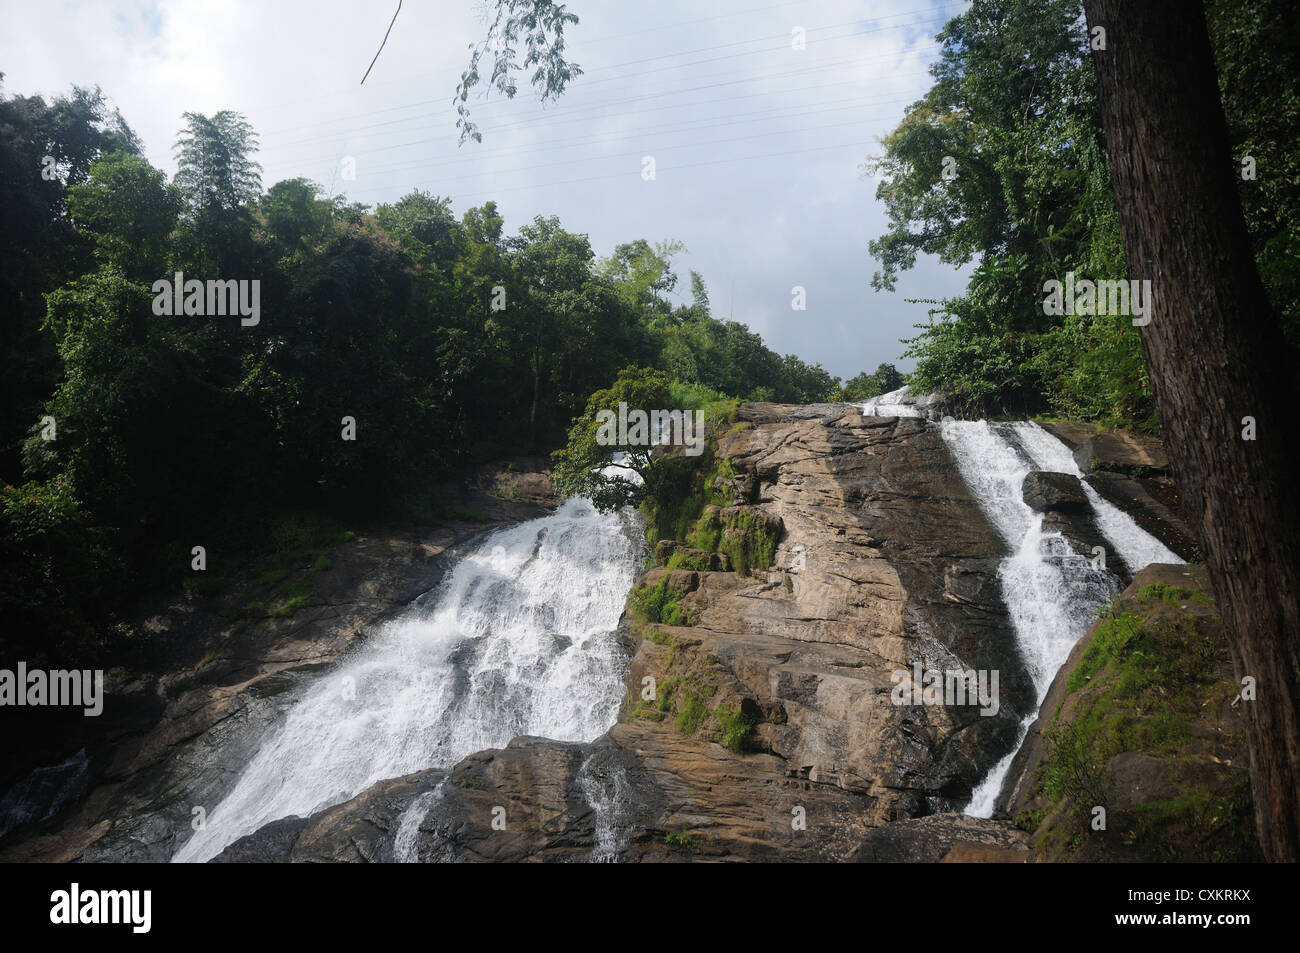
column 1216, row 356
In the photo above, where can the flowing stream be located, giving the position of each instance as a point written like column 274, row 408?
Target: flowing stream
column 1051, row 592
column 519, row 639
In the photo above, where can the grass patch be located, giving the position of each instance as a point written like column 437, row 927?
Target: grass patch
column 735, row 729
column 691, row 716
column 1109, row 644
column 698, row 562
column 745, row 537
column 296, row 594
column 658, row 603
column 273, row 576
column 1175, row 595
column 683, row 842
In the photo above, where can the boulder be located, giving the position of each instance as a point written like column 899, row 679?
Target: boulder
column 1055, row 493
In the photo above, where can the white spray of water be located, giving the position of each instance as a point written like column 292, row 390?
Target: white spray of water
column 408, row 826
column 893, row 405
column 1135, row 545
column 519, row 640
column 608, row 797
column 1051, row 592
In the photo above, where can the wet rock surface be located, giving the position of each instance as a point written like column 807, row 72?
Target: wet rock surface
column 172, row 742
column 1054, row 493
column 897, row 566
column 796, row 749
column 1131, row 471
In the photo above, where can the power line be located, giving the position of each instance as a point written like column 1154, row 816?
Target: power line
column 588, row 83
column 676, row 168
column 584, row 111
column 280, row 104
column 641, row 152
column 459, row 156
column 711, row 122
column 381, row 45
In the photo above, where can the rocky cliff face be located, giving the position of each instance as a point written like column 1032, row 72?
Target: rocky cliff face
column 842, row 557
column 1139, row 752
column 170, row 741
column 767, row 728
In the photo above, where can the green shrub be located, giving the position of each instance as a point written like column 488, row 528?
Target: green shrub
column 658, row 603
column 691, row 716
column 683, row 842
column 699, row 562
column 735, row 728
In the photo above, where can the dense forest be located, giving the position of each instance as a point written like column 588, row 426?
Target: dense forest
column 397, row 344
column 1003, row 163
column 227, row 396
column 391, row 346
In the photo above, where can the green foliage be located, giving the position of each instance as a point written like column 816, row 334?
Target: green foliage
column 59, row 571
column 1174, row 594
column 658, row 603
column 1110, row 643
column 1259, row 77
column 1178, row 829
column 1014, row 107
column 130, row 211
column 691, row 715
column 540, row 26
column 699, row 562
column 743, row 536
column 885, row 379
column 735, row 728
column 578, row 465
column 184, row 430
column 215, row 170
column 680, row 841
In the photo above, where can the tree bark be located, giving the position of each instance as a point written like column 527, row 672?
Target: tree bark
column 1215, row 354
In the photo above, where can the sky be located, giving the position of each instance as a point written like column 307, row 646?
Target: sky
column 757, row 145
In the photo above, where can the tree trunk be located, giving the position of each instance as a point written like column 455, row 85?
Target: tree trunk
column 1216, row 354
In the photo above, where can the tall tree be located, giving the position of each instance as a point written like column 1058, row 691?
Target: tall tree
column 214, row 168
column 1217, row 362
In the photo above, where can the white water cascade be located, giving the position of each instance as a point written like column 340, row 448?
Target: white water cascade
column 1051, row 592
column 896, row 403
column 609, row 797
column 519, row 639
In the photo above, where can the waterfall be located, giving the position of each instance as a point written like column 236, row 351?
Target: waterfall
column 1051, row 593
column 518, row 640
column 897, row 403
column 408, row 826
column 607, row 795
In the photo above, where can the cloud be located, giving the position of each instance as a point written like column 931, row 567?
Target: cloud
column 757, row 144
